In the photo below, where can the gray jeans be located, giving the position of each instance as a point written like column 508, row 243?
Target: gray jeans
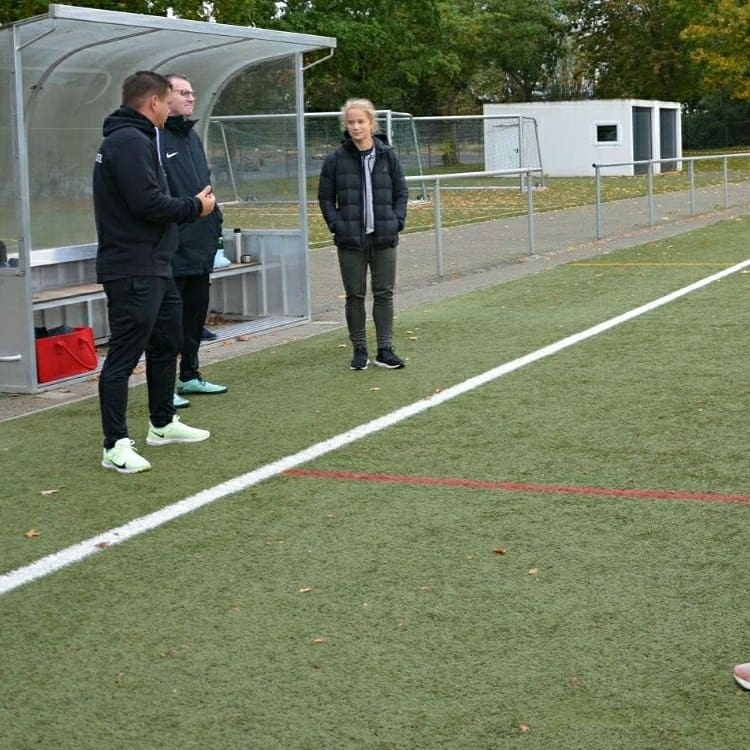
column 382, row 263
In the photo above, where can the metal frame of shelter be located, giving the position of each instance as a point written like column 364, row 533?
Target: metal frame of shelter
column 60, row 75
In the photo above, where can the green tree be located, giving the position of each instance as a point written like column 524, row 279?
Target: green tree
column 519, row 46
column 386, row 49
column 637, row 49
column 718, row 34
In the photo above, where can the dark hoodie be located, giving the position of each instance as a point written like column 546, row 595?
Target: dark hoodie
column 136, row 217
column 184, row 160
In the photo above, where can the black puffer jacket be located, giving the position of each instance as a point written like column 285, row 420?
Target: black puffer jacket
column 341, row 194
column 136, row 217
column 184, row 161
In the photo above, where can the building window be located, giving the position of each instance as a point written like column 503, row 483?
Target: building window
column 607, row 132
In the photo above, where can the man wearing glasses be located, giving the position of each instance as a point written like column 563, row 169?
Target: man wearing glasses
column 185, row 163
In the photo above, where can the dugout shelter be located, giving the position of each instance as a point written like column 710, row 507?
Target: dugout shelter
column 60, row 76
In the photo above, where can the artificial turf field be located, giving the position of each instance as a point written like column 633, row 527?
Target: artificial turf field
column 554, row 559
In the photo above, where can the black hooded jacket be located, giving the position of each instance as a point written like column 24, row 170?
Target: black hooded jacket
column 341, row 194
column 184, row 161
column 136, row 217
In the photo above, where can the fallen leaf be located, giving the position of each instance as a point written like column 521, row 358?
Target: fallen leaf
column 32, row 533
column 533, row 571
column 119, row 678
column 304, row 590
column 523, row 728
column 425, row 588
column 499, row 550
column 319, row 640
column 101, row 545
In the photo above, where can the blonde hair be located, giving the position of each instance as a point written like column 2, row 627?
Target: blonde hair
column 366, row 106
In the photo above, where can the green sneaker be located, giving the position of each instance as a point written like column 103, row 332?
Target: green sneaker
column 179, row 402
column 123, row 457
column 175, row 432
column 198, row 385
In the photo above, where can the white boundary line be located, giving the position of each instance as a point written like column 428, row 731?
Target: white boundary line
column 58, row 560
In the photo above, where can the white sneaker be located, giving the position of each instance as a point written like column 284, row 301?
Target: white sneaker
column 175, row 432
column 742, row 675
column 123, row 457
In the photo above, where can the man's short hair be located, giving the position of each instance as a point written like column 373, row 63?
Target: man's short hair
column 171, row 76
column 142, row 84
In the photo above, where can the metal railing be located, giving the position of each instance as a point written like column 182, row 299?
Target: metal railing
column 435, row 180
column 691, row 191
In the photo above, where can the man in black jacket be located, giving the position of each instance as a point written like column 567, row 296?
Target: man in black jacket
column 363, row 196
column 136, row 223
column 185, row 163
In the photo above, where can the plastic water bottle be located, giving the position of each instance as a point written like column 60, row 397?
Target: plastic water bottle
column 221, row 260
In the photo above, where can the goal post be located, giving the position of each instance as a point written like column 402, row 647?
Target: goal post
column 323, row 132
column 479, row 142
column 512, row 142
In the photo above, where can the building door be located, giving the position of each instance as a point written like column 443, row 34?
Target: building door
column 668, row 138
column 642, row 144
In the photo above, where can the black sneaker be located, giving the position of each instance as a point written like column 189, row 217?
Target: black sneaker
column 388, row 358
column 360, row 359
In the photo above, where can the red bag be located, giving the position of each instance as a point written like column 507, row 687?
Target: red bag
column 65, row 355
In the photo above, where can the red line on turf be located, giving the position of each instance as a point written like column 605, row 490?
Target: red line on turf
column 560, row 489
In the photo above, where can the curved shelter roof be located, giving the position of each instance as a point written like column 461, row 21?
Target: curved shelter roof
column 61, row 74
column 74, row 57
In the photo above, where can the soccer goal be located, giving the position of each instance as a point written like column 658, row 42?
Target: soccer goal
column 479, row 143
column 512, row 142
column 255, row 156
column 323, row 133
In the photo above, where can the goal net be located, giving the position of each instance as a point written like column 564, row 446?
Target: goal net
column 512, row 142
column 478, row 142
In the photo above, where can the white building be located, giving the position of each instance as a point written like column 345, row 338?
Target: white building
column 574, row 135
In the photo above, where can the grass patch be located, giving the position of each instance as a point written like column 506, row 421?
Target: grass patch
column 308, row 613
